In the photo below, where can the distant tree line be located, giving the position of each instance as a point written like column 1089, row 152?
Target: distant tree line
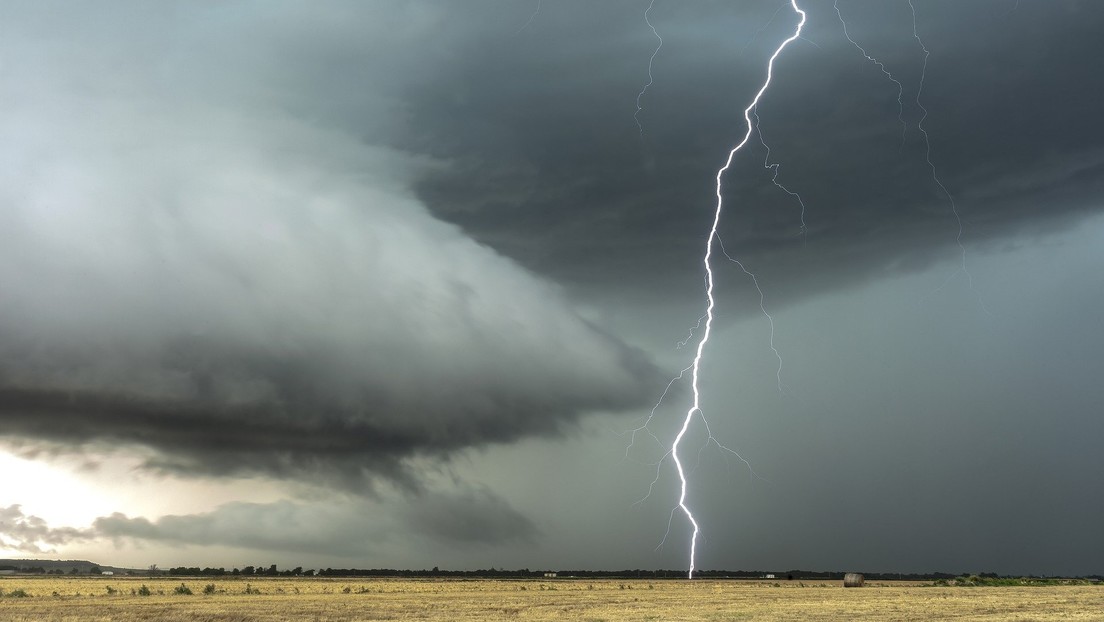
column 248, row 571
column 82, row 567
column 525, row 573
column 49, row 571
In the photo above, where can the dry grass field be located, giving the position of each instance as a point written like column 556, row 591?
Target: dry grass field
column 65, row 599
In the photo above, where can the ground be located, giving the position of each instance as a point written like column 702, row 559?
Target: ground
column 81, row 599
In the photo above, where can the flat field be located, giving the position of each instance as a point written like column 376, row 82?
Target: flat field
column 65, row 599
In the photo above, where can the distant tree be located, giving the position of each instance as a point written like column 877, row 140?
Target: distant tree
column 152, row 570
column 308, row 573
column 272, row 572
column 248, row 570
column 94, row 570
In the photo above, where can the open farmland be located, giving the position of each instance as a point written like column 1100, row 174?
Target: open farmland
column 87, row 599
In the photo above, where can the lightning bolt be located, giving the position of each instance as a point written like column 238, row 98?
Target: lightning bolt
column 639, row 108
column 706, row 329
column 695, row 408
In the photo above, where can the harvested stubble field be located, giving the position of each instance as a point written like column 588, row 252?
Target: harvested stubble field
column 236, row 600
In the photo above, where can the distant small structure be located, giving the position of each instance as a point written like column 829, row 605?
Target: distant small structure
column 770, row 575
column 108, row 573
column 549, row 575
column 853, row 579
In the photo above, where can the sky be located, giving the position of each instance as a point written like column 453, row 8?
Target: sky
column 405, row 284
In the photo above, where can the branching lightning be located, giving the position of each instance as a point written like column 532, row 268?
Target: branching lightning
column 695, row 407
column 532, row 17
column 882, row 67
column 764, row 27
column 710, row 439
column 773, row 166
column 682, row 344
column 963, row 269
column 762, row 304
column 935, row 176
column 647, row 430
column 651, row 61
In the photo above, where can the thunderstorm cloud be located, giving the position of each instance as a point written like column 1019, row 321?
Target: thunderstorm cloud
column 1015, row 157
column 245, row 290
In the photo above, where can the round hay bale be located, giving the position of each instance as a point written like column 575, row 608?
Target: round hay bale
column 853, row 579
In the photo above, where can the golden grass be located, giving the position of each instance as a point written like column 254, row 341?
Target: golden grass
column 87, row 599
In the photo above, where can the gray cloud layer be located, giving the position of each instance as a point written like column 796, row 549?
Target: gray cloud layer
column 357, row 529
column 31, row 534
column 552, row 171
column 200, row 224
column 195, row 266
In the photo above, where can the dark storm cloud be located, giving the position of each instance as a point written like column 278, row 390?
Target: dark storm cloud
column 198, row 258
column 199, row 231
column 549, row 168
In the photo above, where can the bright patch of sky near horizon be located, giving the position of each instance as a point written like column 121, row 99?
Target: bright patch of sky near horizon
column 73, row 492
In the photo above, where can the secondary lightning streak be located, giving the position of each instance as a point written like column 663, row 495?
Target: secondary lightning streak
column 762, row 307
column 648, row 420
column 682, row 344
column 636, row 115
column 764, row 27
column 532, row 17
column 710, row 439
column 931, row 165
column 709, row 433
column 927, row 139
column 710, row 303
column 774, row 166
column 882, row 67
